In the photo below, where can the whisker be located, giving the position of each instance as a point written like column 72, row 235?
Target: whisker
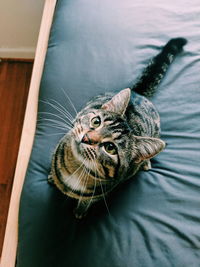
column 90, row 202
column 54, row 121
column 104, row 195
column 62, row 108
column 55, row 126
column 59, row 123
column 66, row 95
column 84, row 174
column 55, row 134
column 85, row 182
column 64, row 112
column 78, row 179
column 77, row 169
column 55, row 115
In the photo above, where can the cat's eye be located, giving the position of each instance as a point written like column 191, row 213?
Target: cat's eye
column 96, row 122
column 110, row 148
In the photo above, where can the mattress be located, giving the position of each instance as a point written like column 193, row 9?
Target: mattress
column 152, row 220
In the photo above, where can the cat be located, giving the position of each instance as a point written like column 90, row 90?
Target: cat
column 114, row 136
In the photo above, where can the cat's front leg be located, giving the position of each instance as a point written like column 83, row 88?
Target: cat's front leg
column 81, row 209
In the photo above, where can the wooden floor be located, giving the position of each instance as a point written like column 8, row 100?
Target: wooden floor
column 14, row 84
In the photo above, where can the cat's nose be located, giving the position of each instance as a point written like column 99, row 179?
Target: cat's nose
column 90, row 138
column 86, row 139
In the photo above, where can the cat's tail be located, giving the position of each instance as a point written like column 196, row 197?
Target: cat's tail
column 158, row 66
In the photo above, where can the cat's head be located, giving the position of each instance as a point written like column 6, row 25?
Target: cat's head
column 104, row 142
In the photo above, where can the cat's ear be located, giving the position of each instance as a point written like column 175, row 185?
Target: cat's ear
column 119, row 102
column 147, row 147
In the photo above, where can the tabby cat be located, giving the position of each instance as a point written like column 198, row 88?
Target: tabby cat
column 113, row 137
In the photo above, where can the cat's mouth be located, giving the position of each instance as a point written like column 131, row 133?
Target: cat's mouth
column 87, row 152
column 86, row 155
column 83, row 152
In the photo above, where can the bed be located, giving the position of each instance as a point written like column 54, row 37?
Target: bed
column 151, row 220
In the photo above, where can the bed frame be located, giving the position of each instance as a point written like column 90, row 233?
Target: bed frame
column 8, row 257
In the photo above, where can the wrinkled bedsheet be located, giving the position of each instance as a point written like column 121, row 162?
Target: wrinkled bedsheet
column 152, row 220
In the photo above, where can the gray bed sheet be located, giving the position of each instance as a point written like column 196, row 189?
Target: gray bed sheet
column 152, row 220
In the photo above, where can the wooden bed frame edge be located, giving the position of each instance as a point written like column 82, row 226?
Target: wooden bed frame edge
column 8, row 257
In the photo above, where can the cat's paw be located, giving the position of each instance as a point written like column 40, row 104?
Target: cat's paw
column 50, row 179
column 146, row 166
column 78, row 215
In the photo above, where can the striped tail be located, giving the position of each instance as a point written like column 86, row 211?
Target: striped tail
column 158, row 66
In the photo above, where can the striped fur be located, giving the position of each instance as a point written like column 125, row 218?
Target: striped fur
column 113, row 137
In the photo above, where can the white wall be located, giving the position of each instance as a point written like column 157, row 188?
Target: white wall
column 19, row 27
